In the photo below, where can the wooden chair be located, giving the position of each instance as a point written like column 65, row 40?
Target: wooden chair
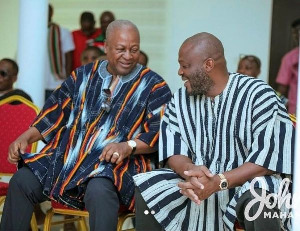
column 79, row 216
column 14, row 120
column 293, row 119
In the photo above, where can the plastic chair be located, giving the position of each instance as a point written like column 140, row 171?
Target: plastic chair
column 80, row 216
column 14, row 120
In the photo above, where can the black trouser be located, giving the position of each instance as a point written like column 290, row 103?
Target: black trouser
column 101, row 200
column 262, row 222
column 147, row 222
column 144, row 220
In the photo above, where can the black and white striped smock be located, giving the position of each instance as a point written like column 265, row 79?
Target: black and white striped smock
column 245, row 123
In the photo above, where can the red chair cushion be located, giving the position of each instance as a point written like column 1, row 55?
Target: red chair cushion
column 15, row 119
column 3, row 188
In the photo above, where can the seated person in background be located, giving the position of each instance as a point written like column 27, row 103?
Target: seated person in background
column 100, row 126
column 143, row 58
column 219, row 132
column 249, row 65
column 91, row 54
column 8, row 75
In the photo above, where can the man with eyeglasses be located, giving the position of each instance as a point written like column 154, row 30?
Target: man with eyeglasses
column 8, row 75
column 100, row 128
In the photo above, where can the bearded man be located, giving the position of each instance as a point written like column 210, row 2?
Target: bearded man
column 218, row 133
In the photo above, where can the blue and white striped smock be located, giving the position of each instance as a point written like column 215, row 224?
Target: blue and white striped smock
column 246, row 123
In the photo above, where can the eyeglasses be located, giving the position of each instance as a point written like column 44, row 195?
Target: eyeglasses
column 4, row 74
column 106, row 104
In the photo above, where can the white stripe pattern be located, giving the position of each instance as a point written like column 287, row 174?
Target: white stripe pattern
column 246, row 123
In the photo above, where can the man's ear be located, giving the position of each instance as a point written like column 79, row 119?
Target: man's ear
column 209, row 64
column 105, row 47
column 14, row 78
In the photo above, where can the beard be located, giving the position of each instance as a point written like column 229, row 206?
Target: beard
column 200, row 83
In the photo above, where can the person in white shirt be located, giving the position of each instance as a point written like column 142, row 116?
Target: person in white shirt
column 59, row 58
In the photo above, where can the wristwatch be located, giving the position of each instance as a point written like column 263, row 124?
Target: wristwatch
column 224, row 183
column 132, row 144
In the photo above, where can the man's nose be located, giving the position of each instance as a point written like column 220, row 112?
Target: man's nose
column 128, row 54
column 180, row 72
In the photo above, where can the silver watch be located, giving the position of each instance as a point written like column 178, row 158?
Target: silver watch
column 132, row 144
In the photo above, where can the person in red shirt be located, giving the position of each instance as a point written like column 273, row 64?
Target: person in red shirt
column 82, row 37
column 105, row 19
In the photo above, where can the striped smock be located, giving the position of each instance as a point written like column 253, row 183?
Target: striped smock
column 76, row 128
column 245, row 123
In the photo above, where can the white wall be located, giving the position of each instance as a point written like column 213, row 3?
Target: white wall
column 243, row 26
column 9, row 25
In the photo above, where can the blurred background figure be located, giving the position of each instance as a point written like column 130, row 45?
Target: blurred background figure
column 84, row 36
column 105, row 19
column 249, row 65
column 59, row 58
column 90, row 54
column 8, row 76
column 143, row 58
column 287, row 77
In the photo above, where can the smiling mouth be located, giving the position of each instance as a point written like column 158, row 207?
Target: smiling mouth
column 126, row 64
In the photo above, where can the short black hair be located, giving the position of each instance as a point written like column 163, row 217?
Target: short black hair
column 13, row 63
column 252, row 58
column 87, row 16
column 96, row 49
column 296, row 23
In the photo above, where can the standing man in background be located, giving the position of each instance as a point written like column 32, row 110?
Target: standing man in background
column 287, row 77
column 105, row 19
column 83, row 36
column 59, row 58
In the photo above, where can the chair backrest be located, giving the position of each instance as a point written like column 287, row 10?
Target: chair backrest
column 14, row 120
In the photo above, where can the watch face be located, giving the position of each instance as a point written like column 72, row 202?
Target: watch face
column 224, row 184
column 132, row 143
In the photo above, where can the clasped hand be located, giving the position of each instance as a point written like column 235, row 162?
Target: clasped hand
column 199, row 184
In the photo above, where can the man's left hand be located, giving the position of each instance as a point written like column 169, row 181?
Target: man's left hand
column 199, row 188
column 115, row 152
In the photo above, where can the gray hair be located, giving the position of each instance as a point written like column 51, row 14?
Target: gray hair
column 120, row 24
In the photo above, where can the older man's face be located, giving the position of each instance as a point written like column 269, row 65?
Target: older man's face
column 123, row 50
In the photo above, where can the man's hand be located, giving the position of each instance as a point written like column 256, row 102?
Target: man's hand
column 20, row 144
column 115, row 152
column 16, row 148
column 200, row 184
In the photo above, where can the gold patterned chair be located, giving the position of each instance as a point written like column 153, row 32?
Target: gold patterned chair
column 16, row 115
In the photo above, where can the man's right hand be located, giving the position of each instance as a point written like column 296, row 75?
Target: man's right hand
column 16, row 148
column 20, row 144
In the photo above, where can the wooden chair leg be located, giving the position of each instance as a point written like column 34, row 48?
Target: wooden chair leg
column 48, row 219
column 2, row 199
column 82, row 224
column 33, row 223
column 122, row 218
